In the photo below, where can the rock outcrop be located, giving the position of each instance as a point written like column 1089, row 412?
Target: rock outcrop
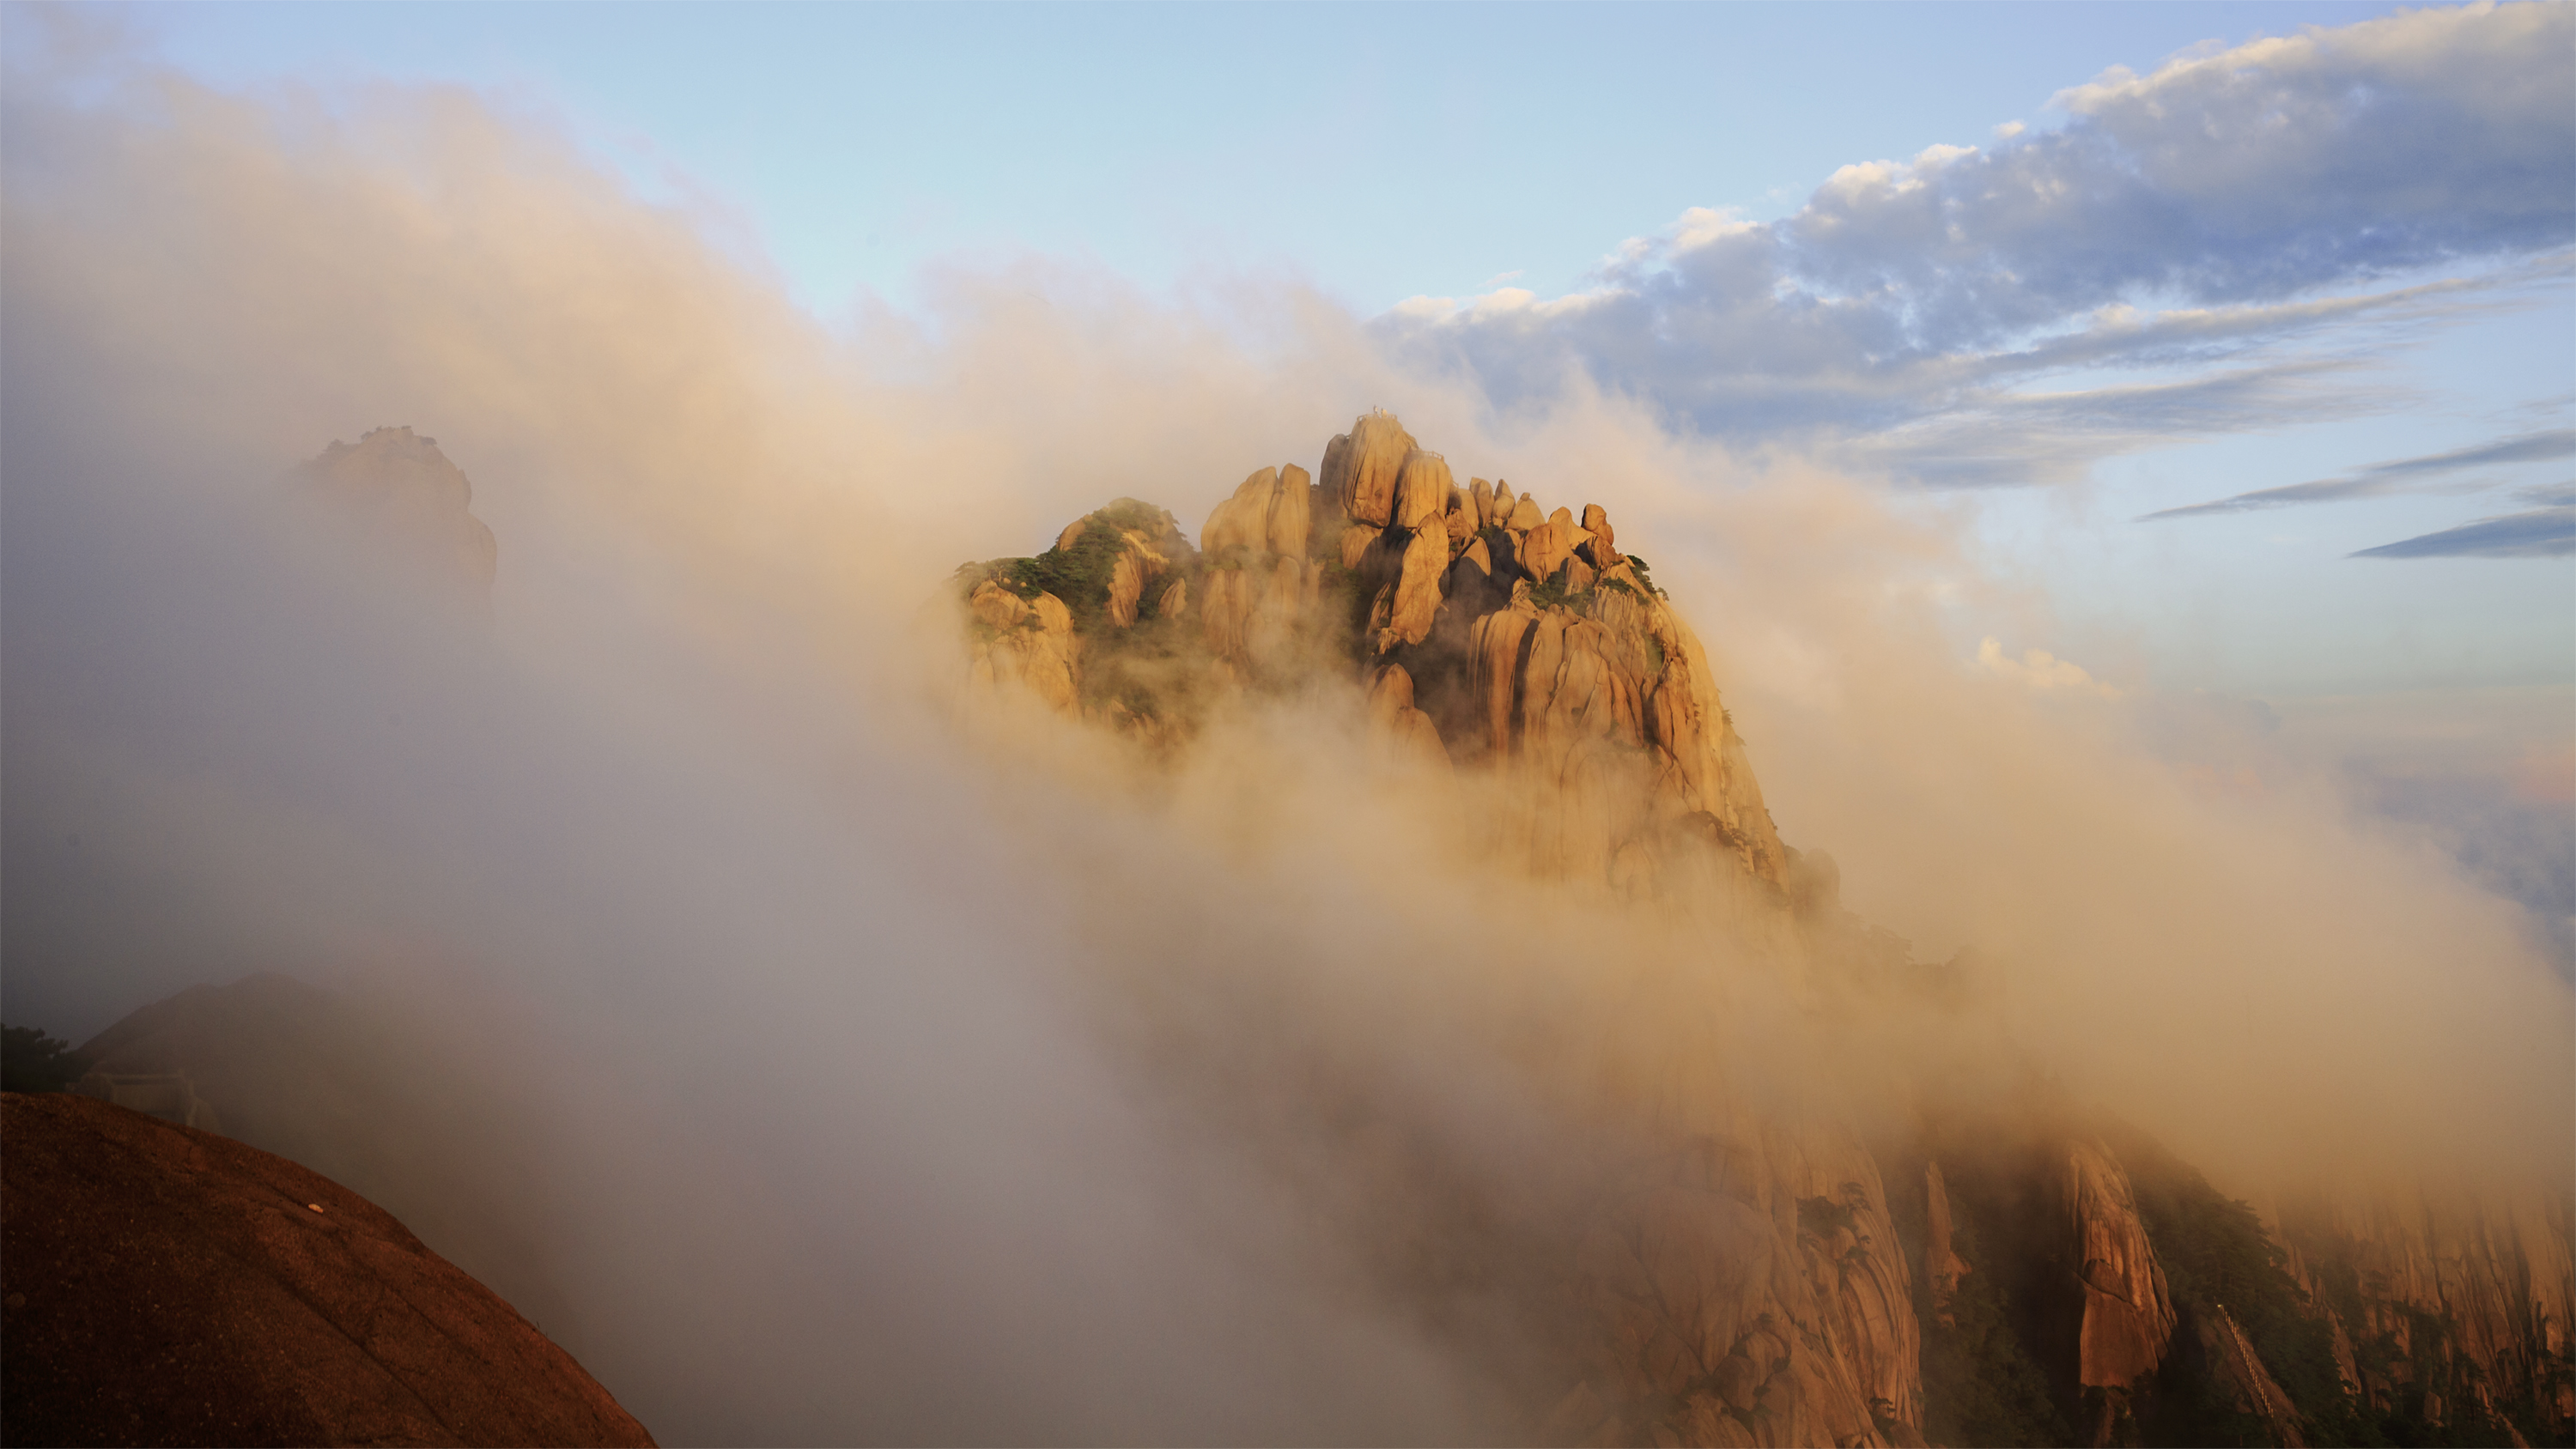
column 1026, row 640
column 167, row 1286
column 1362, row 468
column 2128, row 1318
column 1529, row 647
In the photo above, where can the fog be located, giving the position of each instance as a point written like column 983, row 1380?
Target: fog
column 859, row 1075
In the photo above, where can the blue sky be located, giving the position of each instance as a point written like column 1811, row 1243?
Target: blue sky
column 2065, row 267
column 1383, row 152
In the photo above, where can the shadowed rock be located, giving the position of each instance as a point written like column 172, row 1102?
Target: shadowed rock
column 166, row 1286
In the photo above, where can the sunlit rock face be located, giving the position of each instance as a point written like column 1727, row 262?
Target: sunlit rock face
column 1527, row 646
column 2128, row 1317
column 1735, row 1276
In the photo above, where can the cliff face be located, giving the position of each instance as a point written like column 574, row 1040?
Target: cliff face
column 1745, row 1291
column 1752, row 1282
column 2442, row 1305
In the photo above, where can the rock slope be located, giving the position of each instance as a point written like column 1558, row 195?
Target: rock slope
column 166, row 1286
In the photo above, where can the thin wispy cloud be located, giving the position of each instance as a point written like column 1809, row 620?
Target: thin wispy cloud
column 2548, row 531
column 2384, row 478
column 2232, row 207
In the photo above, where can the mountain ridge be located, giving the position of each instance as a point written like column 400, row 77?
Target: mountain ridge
column 1482, row 635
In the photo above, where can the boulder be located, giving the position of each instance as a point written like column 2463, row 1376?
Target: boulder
column 1398, row 730
column 1494, row 651
column 1417, row 589
column 1548, row 545
column 1127, row 579
column 1460, row 524
column 1600, row 550
column 167, row 1286
column 1291, row 513
column 1334, row 472
column 1523, row 517
column 1242, row 520
column 1040, row 654
column 1357, row 538
column 1370, row 464
column 1422, row 489
column 1480, row 502
column 996, row 607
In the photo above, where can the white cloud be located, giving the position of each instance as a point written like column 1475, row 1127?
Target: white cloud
column 2040, row 670
column 2226, row 203
column 1702, row 225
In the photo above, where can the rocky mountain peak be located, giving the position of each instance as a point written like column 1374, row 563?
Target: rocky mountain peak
column 1507, row 639
column 2013, row 1274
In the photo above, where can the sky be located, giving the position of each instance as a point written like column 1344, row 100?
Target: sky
column 2244, row 335
column 1442, row 170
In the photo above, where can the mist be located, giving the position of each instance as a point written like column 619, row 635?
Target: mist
column 861, row 1076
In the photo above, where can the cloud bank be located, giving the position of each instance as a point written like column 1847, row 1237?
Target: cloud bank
column 2235, row 214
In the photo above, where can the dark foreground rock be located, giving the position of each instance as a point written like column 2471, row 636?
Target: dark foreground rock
column 167, row 1286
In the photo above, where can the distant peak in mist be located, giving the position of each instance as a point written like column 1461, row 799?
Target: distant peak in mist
column 401, row 497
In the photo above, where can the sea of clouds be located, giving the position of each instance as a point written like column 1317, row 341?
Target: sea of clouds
column 865, row 1078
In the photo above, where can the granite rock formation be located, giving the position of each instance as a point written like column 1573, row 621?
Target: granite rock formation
column 1528, row 646
column 1749, row 1283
